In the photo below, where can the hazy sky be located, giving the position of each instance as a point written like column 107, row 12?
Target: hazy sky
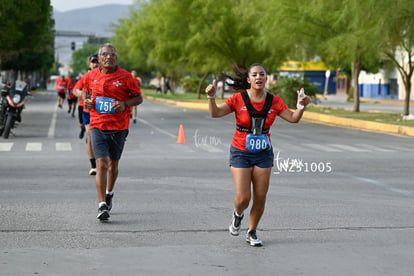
column 66, row 5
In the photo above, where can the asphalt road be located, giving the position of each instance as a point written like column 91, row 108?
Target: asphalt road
column 340, row 201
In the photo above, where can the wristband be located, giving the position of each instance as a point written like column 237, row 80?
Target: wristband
column 210, row 97
column 126, row 104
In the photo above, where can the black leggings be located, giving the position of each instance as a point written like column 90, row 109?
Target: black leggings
column 80, row 112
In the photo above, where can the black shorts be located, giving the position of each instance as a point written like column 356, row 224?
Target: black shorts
column 108, row 143
column 73, row 101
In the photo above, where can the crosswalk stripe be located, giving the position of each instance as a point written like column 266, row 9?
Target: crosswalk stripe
column 6, row 146
column 63, row 147
column 33, row 146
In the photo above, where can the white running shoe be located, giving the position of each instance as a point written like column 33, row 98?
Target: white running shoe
column 252, row 239
column 103, row 213
column 92, row 171
column 235, row 225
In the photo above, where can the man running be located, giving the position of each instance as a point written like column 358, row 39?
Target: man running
column 113, row 92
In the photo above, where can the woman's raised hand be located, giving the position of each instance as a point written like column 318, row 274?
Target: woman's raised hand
column 211, row 89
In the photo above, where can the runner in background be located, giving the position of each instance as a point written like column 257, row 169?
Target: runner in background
column 84, row 119
column 72, row 98
column 61, row 88
column 134, row 108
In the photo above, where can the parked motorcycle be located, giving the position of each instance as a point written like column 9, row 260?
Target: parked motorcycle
column 11, row 105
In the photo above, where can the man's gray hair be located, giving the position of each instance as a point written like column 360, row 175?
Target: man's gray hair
column 106, row 45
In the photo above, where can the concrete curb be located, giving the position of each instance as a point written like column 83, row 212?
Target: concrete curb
column 358, row 124
column 311, row 117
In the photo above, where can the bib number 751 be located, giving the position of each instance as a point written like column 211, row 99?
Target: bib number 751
column 104, row 105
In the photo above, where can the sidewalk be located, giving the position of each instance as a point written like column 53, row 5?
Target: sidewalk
column 331, row 101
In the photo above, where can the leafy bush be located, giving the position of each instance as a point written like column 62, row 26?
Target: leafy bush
column 287, row 89
column 191, row 84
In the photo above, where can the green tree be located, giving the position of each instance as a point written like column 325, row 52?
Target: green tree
column 398, row 28
column 80, row 62
column 340, row 32
column 26, row 41
column 195, row 36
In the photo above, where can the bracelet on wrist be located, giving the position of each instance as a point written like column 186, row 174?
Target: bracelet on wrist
column 210, row 97
column 126, row 104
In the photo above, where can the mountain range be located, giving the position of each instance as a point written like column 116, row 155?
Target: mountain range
column 95, row 20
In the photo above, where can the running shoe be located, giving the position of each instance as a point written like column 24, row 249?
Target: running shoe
column 108, row 201
column 234, row 227
column 92, row 171
column 252, row 239
column 103, row 212
column 82, row 133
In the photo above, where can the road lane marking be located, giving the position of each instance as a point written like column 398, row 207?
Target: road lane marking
column 322, row 147
column 63, row 147
column 6, row 146
column 157, row 128
column 374, row 148
column 210, row 148
column 52, row 127
column 378, row 184
column 348, row 148
column 33, row 146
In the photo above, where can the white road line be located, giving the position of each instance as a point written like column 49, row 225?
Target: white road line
column 322, row 147
column 348, row 148
column 63, row 147
column 6, row 146
column 374, row 148
column 52, row 126
column 157, row 128
column 210, row 148
column 33, row 146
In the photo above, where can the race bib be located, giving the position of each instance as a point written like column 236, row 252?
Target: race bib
column 61, row 87
column 104, row 105
column 257, row 143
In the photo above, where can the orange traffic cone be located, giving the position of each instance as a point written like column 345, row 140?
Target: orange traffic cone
column 181, row 138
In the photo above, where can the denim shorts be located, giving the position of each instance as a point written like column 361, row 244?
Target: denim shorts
column 108, row 143
column 86, row 118
column 245, row 159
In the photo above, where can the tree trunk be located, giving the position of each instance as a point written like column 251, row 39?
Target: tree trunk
column 200, row 85
column 356, row 68
column 407, row 98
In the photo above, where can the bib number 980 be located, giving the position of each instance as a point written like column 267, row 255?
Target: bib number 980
column 257, row 143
